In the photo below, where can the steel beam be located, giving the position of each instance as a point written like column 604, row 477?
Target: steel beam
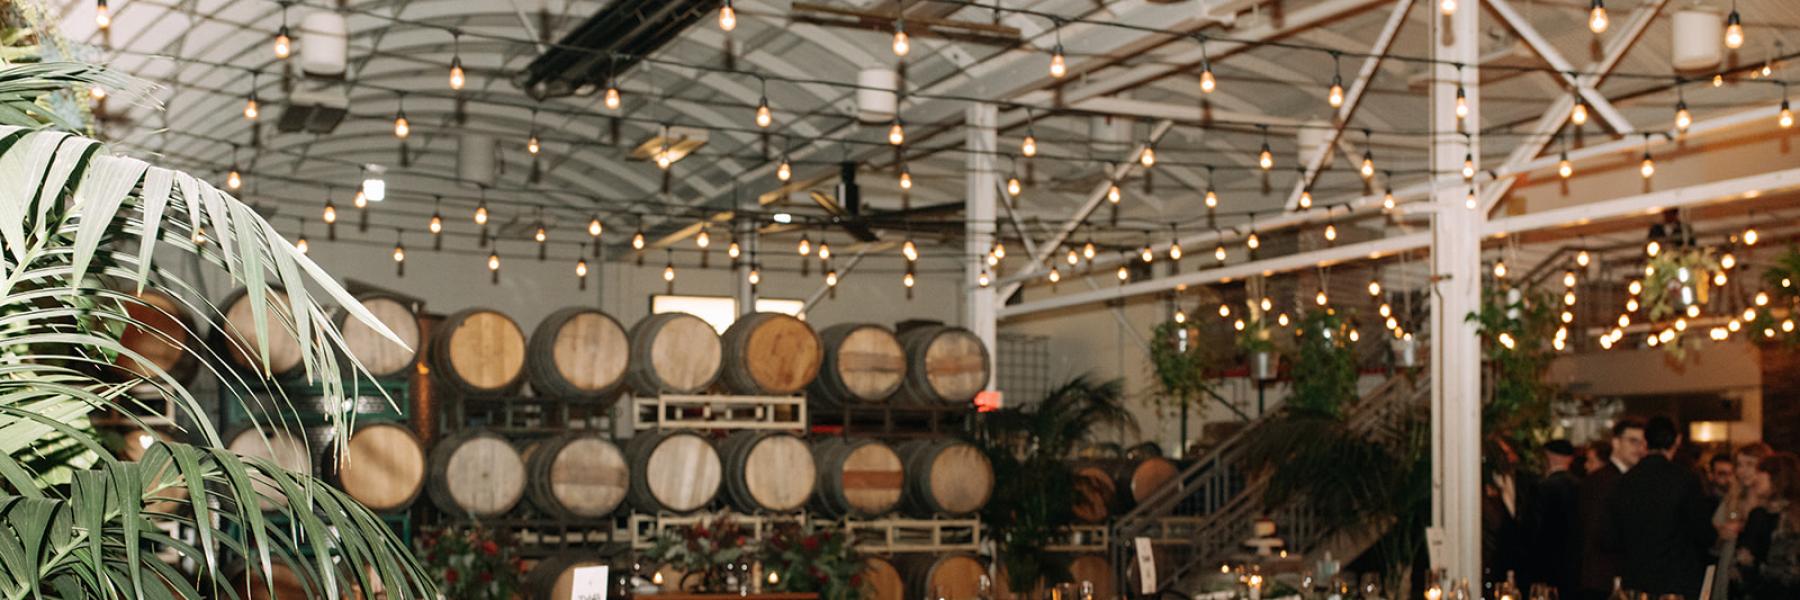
column 1352, row 99
column 1565, row 69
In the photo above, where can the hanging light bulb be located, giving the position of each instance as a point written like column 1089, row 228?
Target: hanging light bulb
column 284, row 43
column 1564, row 168
column 1267, row 304
column 1786, row 118
column 1207, row 82
column 360, row 200
column 824, row 250
column 1728, row 261
column 234, row 180
column 909, row 250
column 754, row 276
column 493, row 261
column 733, row 250
column 1579, row 114
column 637, row 240
column 764, row 117
column 1374, row 287
column 541, row 235
column 1462, row 102
column 532, row 145
column 611, row 98
column 1087, row 250
column 399, row 252
column 1500, row 269
column 784, row 171
column 1212, row 196
column 1113, row 194
column 1750, row 237
column 1734, row 30
column 804, row 247
column 1652, row 249
column 1124, row 273
column 1306, row 199
column 1253, row 242
column 1058, row 66
column 330, row 215
column 595, row 227
column 1335, row 95
column 831, row 278
column 1388, row 202
column 1718, row 79
column 1148, row 157
column 1470, row 201
column 999, row 251
column 1330, row 232
column 906, row 182
column 704, row 240
column 1568, row 279
column 1321, row 298
column 1265, row 158
column 669, row 273
column 1468, row 166
column 1219, row 253
column 1368, row 165
column 1175, row 250
column 1147, row 254
column 1762, row 298
column 727, row 17
column 436, row 225
column 1583, row 259
column 481, row 213
column 1448, row 7
column 983, row 279
column 1683, row 118
column 902, row 43
column 1028, row 147
column 1648, row 167
column 896, row 134
column 251, row 110
column 103, row 20
column 1013, row 187
column 581, row 267
column 908, row 280
column 1719, row 279
column 401, row 127
column 96, row 92
column 1180, row 316
column 300, row 244
column 457, row 77
column 1074, row 258
column 1597, row 21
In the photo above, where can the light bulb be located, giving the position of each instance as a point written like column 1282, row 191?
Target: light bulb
column 1683, row 118
column 1635, row 287
column 595, row 228
column 1074, row 257
column 1265, row 159
column 1306, row 200
column 896, row 134
column 1787, row 115
column 1224, row 311
column 1087, row 250
column 824, row 250
column 97, row 92
column 1000, row 250
column 612, row 100
column 1219, row 252
column 1124, row 273
column 1013, row 187
column 1335, row 96
column 754, row 277
column 1648, row 167
column 1568, row 279
column 481, row 213
column 284, row 44
column 664, row 159
column 532, row 145
column 330, row 215
column 1597, row 21
column 1267, row 304
column 1212, row 198
column 1583, row 259
column 669, row 273
column 1180, row 316
column 1207, row 82
column 399, row 253
column 908, row 279
column 727, row 17
column 1500, row 269
column 1374, row 288
column 1253, row 242
column 1448, row 7
column 1579, row 114
column 1029, row 146
column 1750, row 238
column 983, row 280
column 1653, row 248
column 1728, row 261
column 1113, row 194
column 361, row 200
column 457, row 77
column 906, row 182
column 1462, row 103
column 234, row 180
column 436, row 225
column 804, row 247
column 581, row 267
column 103, row 18
column 1147, row 254
column 1058, row 66
column 784, row 171
column 1762, row 298
column 902, row 44
column 831, row 278
column 401, row 127
column 301, row 246
column 1388, row 202
column 251, row 112
column 1321, row 298
column 1368, row 166
column 1719, row 279
column 1330, row 233
column 764, row 117
column 1718, row 79
column 1148, row 158
column 909, row 250
column 1734, row 30
column 493, row 262
column 1631, row 305
column 1468, row 167
column 637, row 240
column 1470, row 201
column 1569, row 298
column 1174, row 250
column 733, row 249
column 541, row 235
column 1564, row 168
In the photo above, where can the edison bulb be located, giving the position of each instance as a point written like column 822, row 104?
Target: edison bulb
column 902, row 43
column 1750, row 238
column 234, row 180
column 733, row 250
column 1568, row 279
column 1762, row 298
column 1651, row 249
column 637, row 240
column 1212, row 198
column 909, row 250
column 1306, row 199
column 1579, row 114
column 1253, row 242
column 401, row 127
column 1087, row 251
column 436, row 225
column 1734, row 31
column 612, row 100
column 669, row 273
column 1582, row 258
column 906, row 182
column 1330, row 232
column 754, row 277
column 1448, row 7
column 1500, row 269
column 1321, row 298
column 481, row 214
column 703, row 239
column 1207, row 82
column 1219, row 253
column 1013, row 187
column 896, row 134
column 1175, row 251
column 1564, row 168
column 1224, row 310
column 1055, row 275
column 251, row 111
column 1374, row 288
column 784, row 171
column 581, row 267
column 1786, row 118
column 1336, row 95
column 908, row 279
column 728, row 22
column 1148, row 158
column 301, row 246
column 1597, row 20
column 831, row 278
column 1074, row 258
column 1265, row 159
column 399, row 253
column 764, row 117
column 457, row 77
column 103, row 20
column 1028, row 147
column 284, row 45
column 1113, row 194
column 1058, row 66
column 532, row 145
column 1368, row 167
column 330, row 215
column 1683, row 118
column 493, row 262
column 1648, row 167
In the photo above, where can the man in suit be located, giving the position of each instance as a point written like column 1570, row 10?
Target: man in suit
column 1599, row 565
column 1555, row 519
column 1659, row 521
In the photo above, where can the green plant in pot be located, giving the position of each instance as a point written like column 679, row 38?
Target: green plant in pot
column 80, row 231
column 1029, row 446
column 1257, row 344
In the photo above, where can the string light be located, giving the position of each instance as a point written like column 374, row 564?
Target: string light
column 436, row 225
column 1074, row 258
column 481, row 212
column 804, row 247
column 1013, row 187
column 532, row 146
column 581, row 267
column 824, row 249
column 1564, row 168
column 1148, row 157
column 1648, row 167
column 103, row 18
column 1321, row 298
column 896, row 134
column 1374, row 287
column 300, row 244
column 1468, row 167
column 1583, row 259
column 1579, row 114
column 906, row 180
column 493, row 261
column 755, row 275
column 668, row 273
column 1124, row 274
column 1683, row 118
column 1306, row 198
column 764, row 116
column 1750, row 237
column 1652, row 249
column 784, row 171
column 330, row 214
column 1470, row 201
column 401, row 127
column 909, row 250
column 234, row 180
column 983, row 279
column 831, row 277
column 1331, row 233
column 1059, row 66
column 1087, row 250
column 1786, row 116
column 908, row 280
column 457, row 77
column 1113, row 194
column 999, row 251
column 251, row 110
column 611, row 98
column 1252, row 242
column 727, row 17
column 1029, row 146
column 733, row 250
column 1180, row 315
column 1265, row 158
column 595, row 227
column 637, row 239
column 1462, row 97
column 902, row 43
column 1219, row 253
column 1147, row 254
column 360, row 200
column 1208, row 83
column 1388, row 201
column 284, row 42
column 1335, row 96
column 1368, row 164
column 1597, row 21
column 1448, row 7
column 1734, row 29
column 1500, row 269
column 399, row 252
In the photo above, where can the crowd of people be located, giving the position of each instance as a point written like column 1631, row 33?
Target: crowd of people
column 1633, row 512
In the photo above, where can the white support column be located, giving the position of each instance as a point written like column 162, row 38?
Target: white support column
column 1456, row 267
column 744, row 230
column 983, row 192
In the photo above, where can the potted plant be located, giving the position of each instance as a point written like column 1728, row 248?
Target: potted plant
column 1258, row 347
column 805, row 559
column 712, row 556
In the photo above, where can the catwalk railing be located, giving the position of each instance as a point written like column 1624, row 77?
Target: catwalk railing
column 1198, row 520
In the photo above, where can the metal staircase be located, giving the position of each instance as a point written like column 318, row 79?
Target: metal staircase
column 1197, row 521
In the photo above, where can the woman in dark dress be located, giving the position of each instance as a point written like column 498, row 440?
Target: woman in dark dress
column 1770, row 541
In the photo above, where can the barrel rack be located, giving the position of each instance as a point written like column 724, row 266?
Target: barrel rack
column 717, row 412
column 1081, row 538
column 891, row 422
column 882, row 536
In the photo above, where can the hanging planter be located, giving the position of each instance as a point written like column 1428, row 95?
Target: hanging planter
column 1265, row 365
column 1406, row 352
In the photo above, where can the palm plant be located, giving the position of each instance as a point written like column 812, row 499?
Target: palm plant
column 80, row 231
column 1034, row 494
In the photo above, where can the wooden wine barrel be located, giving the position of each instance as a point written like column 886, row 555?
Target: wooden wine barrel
column 380, row 355
column 475, row 473
column 1138, row 479
column 672, row 471
column 674, row 353
column 944, row 365
column 165, row 340
column 478, row 352
column 554, row 577
column 952, row 576
column 577, row 475
column 293, row 450
column 863, row 364
column 859, row 477
column 578, row 353
column 1095, row 570
column 881, row 581
column 1096, row 495
column 383, row 466
column 945, row 476
column 769, row 354
column 240, row 345
column 767, row 471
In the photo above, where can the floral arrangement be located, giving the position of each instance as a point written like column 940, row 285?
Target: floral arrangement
column 715, row 552
column 471, row 565
column 807, row 560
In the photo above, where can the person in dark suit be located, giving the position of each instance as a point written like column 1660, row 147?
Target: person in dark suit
column 1599, row 565
column 1658, row 519
column 1555, row 522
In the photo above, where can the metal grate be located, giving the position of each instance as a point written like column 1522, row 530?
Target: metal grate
column 1022, row 363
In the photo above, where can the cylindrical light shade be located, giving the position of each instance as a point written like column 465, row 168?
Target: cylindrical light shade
column 475, row 159
column 324, row 44
column 1696, row 43
column 1310, row 138
column 876, row 100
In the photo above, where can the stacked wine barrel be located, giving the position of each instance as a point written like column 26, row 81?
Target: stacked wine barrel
column 1106, row 484
column 160, row 338
column 475, row 473
column 578, row 353
column 246, row 349
column 767, row 472
column 383, row 466
column 945, row 477
column 478, row 352
column 577, row 475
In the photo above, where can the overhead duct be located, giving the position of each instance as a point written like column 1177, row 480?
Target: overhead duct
column 608, row 43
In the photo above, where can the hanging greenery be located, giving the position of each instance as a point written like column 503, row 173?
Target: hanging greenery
column 1033, row 485
column 1185, row 367
column 1675, row 279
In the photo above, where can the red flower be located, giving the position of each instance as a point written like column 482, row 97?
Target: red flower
column 489, row 548
column 450, row 576
column 811, row 543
